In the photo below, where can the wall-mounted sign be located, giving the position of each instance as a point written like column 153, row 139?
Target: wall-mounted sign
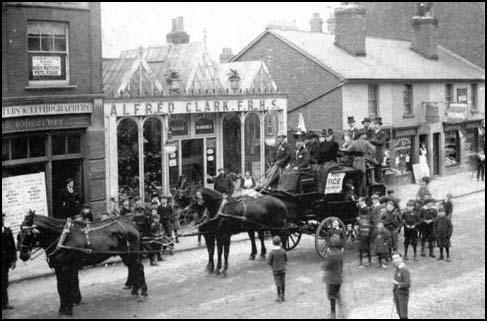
column 179, row 125
column 46, row 66
column 11, row 125
column 462, row 96
column 432, row 112
column 117, row 109
column 48, row 109
column 204, row 124
column 456, row 112
column 21, row 194
column 74, row 5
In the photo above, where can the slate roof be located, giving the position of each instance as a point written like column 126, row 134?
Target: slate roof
column 385, row 58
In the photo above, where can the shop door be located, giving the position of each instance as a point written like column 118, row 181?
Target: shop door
column 62, row 170
column 192, row 157
column 436, row 154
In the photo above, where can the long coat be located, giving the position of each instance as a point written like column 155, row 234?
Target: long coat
column 9, row 254
column 361, row 146
column 370, row 133
column 382, row 241
column 283, row 154
column 444, row 230
column 379, row 139
column 224, row 184
column 70, row 203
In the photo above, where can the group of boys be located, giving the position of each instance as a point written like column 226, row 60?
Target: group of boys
column 380, row 223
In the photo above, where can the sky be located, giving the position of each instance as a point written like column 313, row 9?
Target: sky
column 234, row 25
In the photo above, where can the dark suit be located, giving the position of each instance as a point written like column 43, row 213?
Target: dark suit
column 370, row 132
column 379, row 139
column 328, row 152
column 314, row 151
column 283, row 154
column 302, row 158
column 224, row 184
column 9, row 256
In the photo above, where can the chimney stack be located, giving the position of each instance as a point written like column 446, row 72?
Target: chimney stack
column 316, row 23
column 351, row 28
column 177, row 34
column 425, row 32
column 226, row 55
column 331, row 23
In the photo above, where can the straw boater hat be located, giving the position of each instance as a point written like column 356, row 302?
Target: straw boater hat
column 350, row 119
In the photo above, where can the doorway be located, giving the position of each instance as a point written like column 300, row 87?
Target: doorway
column 436, row 154
column 61, row 170
column 192, row 160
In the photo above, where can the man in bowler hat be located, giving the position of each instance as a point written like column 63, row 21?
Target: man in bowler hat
column 379, row 139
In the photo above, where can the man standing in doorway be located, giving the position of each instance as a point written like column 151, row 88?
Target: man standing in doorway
column 9, row 257
column 70, row 200
column 402, row 283
column 223, row 183
column 379, row 139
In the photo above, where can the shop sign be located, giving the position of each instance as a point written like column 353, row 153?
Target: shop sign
column 48, row 109
column 456, row 112
column 118, row 109
column 80, row 5
column 432, row 114
column 179, row 125
column 334, row 183
column 204, row 124
column 44, row 123
column 462, row 95
column 43, row 66
column 21, row 194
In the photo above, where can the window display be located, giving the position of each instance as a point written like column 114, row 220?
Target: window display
column 471, row 141
column 452, row 148
column 128, row 158
column 403, row 152
column 252, row 145
column 152, row 156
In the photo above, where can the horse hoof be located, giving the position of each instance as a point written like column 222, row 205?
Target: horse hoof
column 251, row 257
column 217, row 272
column 224, row 275
column 262, row 258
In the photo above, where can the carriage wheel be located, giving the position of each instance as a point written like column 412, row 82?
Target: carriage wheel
column 292, row 240
column 322, row 235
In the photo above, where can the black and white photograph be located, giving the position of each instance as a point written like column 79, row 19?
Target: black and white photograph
column 243, row 160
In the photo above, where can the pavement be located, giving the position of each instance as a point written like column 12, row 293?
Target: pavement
column 458, row 185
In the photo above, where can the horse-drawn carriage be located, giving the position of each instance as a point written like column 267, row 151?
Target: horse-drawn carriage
column 311, row 211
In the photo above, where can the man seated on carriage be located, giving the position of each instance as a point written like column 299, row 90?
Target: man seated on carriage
column 327, row 158
column 279, row 159
column 289, row 179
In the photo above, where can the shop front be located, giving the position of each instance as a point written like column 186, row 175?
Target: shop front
column 151, row 143
column 52, row 139
column 400, row 154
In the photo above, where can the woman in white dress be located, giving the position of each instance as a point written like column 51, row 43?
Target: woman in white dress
column 423, row 160
column 247, row 184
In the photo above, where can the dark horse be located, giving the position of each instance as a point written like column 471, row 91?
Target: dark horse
column 106, row 238
column 229, row 217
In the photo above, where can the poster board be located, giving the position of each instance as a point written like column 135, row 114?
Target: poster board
column 418, row 173
column 334, row 183
column 21, row 194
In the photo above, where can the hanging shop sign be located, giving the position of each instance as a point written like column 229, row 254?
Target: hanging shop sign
column 118, row 109
column 20, row 194
column 462, row 95
column 204, row 124
column 456, row 112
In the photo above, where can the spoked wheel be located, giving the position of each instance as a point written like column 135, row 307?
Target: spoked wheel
column 292, row 240
column 322, row 235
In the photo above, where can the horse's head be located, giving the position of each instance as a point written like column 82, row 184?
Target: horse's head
column 212, row 200
column 27, row 237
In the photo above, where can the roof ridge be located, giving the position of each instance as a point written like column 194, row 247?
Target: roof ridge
column 468, row 62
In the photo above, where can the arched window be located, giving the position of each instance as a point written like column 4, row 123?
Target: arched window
column 271, row 129
column 231, row 143
column 252, row 146
column 128, row 158
column 152, row 156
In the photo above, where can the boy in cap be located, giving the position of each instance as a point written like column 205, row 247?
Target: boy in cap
column 165, row 214
column 156, row 232
column 277, row 260
column 86, row 213
column 410, row 221
column 392, row 221
column 364, row 230
column 382, row 243
column 443, row 230
column 428, row 215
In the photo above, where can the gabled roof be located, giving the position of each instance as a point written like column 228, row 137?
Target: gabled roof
column 253, row 74
column 385, row 58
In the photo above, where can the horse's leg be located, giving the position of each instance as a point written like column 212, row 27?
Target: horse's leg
column 263, row 250
column 254, row 247
column 76, row 291
column 141, row 278
column 210, row 246
column 226, row 246
column 219, row 246
column 130, row 276
column 60, row 287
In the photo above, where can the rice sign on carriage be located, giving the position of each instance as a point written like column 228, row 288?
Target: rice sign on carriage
column 334, row 183
column 20, row 194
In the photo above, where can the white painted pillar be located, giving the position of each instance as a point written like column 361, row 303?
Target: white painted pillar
column 242, row 141
column 140, row 130
column 262, row 146
column 164, row 158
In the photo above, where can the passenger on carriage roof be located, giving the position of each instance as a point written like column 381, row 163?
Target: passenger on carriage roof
column 302, row 156
column 328, row 151
column 313, row 147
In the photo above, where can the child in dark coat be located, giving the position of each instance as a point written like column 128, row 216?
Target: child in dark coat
column 382, row 243
column 444, row 230
column 278, row 260
column 364, row 230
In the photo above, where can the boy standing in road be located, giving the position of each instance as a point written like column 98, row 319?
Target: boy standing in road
column 332, row 276
column 402, row 283
column 364, row 230
column 278, row 260
column 410, row 220
column 382, row 243
column 444, row 230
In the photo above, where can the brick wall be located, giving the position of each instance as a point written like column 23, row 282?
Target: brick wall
column 84, row 49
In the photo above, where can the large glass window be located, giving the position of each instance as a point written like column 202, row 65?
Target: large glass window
column 452, row 148
column 231, row 143
column 66, row 144
column 128, row 158
column 408, row 99
column 192, row 160
column 47, row 46
column 471, row 141
column 252, row 146
column 403, row 147
column 152, row 156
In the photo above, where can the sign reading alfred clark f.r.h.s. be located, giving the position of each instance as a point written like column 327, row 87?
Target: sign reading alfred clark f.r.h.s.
column 117, row 109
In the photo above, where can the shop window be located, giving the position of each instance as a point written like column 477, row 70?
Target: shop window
column 47, row 47
column 74, row 144
column 37, row 145
column 373, row 100
column 252, row 146
column 408, row 99
column 403, row 154
column 128, row 158
column 66, row 144
column 204, row 124
column 152, row 156
column 271, row 123
column 19, row 147
column 192, row 160
column 58, row 144
column 231, row 143
column 475, row 91
column 448, row 93
column 452, row 148
column 471, row 141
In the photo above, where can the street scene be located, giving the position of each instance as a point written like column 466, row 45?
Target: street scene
column 294, row 160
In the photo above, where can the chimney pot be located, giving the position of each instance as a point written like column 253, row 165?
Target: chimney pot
column 316, row 23
column 177, row 35
column 425, row 36
column 351, row 28
column 226, row 55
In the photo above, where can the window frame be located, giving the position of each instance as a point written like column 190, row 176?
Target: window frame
column 449, row 92
column 474, row 88
column 66, row 54
column 408, row 100
column 373, row 99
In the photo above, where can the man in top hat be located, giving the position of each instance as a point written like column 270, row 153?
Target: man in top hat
column 9, row 257
column 379, row 139
column 302, row 160
column 368, row 130
column 313, row 147
column 352, row 129
column 327, row 157
column 279, row 159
